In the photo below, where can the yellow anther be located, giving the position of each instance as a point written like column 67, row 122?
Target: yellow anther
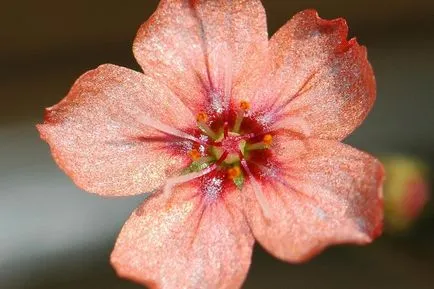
column 268, row 139
column 234, row 172
column 195, row 154
column 202, row 117
column 245, row 105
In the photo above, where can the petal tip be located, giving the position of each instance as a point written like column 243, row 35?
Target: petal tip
column 326, row 25
column 378, row 230
column 123, row 271
column 300, row 257
column 126, row 272
column 42, row 128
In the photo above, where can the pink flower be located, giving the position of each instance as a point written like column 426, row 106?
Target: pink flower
column 237, row 136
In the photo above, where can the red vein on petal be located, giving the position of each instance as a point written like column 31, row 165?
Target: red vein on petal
column 294, row 124
column 227, row 79
column 170, row 183
column 168, row 129
column 305, row 87
column 258, row 192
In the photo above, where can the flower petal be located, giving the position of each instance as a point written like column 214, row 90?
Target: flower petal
column 98, row 136
column 185, row 43
column 185, row 242
column 320, row 193
column 320, row 76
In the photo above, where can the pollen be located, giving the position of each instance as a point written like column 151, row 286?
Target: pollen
column 194, row 154
column 202, row 117
column 245, row 105
column 234, row 172
column 268, row 139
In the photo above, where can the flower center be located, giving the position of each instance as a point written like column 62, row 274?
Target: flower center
column 230, row 142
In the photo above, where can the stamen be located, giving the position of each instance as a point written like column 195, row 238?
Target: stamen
column 202, row 118
column 238, row 121
column 244, row 105
column 234, row 172
column 256, row 146
column 207, row 130
column 258, row 191
column 268, row 139
column 167, row 129
column 194, row 154
column 263, row 145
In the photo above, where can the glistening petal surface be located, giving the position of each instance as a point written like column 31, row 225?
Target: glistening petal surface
column 321, row 193
column 320, row 76
column 181, row 241
column 199, row 48
column 97, row 135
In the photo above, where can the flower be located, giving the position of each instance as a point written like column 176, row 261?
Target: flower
column 236, row 136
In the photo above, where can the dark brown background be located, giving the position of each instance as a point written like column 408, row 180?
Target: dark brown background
column 54, row 236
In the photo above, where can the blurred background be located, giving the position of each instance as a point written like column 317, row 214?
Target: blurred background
column 52, row 235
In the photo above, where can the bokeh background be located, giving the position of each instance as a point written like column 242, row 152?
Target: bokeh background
column 52, row 235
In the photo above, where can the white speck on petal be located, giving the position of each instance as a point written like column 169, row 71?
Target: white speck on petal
column 320, row 213
column 265, row 120
column 361, row 224
column 202, row 148
column 213, row 188
column 185, row 146
column 216, row 102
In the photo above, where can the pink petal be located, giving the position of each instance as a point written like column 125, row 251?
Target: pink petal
column 186, row 43
column 185, row 242
column 99, row 137
column 320, row 76
column 320, row 193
